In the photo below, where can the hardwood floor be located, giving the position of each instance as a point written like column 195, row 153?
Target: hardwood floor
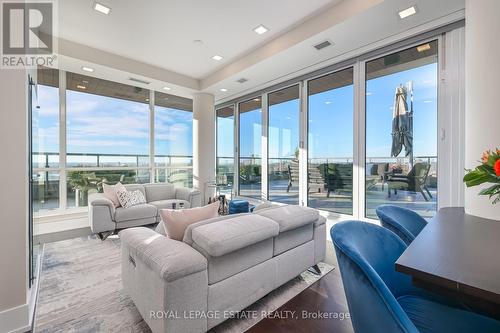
column 326, row 296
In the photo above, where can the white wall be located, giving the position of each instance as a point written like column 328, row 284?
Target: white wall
column 13, row 200
column 451, row 118
column 203, row 141
column 482, row 110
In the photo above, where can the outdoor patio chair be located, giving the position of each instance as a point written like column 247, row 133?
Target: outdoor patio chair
column 414, row 181
column 315, row 184
column 338, row 176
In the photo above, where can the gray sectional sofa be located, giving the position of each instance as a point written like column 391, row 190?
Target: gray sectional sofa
column 104, row 218
column 222, row 265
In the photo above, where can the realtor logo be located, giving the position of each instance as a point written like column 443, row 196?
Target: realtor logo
column 27, row 34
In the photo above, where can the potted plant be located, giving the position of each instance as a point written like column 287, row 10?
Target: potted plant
column 82, row 182
column 487, row 172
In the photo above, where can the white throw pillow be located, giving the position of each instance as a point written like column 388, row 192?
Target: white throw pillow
column 175, row 222
column 109, row 192
column 131, row 198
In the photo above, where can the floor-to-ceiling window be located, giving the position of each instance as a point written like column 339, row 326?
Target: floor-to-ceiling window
column 88, row 131
column 45, row 141
column 173, row 139
column 107, row 136
column 225, row 149
column 283, row 145
column 250, row 144
column 401, row 130
column 331, row 141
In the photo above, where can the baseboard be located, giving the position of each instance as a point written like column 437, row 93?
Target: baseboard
column 15, row 320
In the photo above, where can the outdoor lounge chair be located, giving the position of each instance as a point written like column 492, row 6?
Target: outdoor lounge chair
column 315, row 184
column 338, row 177
column 414, row 181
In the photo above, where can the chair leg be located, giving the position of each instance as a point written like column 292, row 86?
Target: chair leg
column 315, row 270
column 423, row 194
column 103, row 235
column 428, row 192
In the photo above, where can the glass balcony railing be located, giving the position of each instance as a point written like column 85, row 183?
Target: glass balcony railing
column 85, row 174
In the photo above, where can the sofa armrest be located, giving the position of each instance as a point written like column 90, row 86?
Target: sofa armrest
column 188, row 194
column 98, row 199
column 101, row 213
column 169, row 258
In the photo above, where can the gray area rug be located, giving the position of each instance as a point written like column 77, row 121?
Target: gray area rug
column 81, row 291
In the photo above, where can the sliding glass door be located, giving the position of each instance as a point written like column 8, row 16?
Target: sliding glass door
column 330, row 142
column 283, row 145
column 250, row 144
column 346, row 140
column 401, row 130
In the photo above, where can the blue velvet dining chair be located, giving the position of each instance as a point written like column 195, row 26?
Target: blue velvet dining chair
column 403, row 222
column 382, row 300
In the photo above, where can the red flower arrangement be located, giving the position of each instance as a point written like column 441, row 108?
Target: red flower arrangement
column 487, row 172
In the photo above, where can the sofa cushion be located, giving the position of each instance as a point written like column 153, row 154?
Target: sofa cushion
column 292, row 238
column 167, row 204
column 157, row 192
column 176, row 221
column 290, row 217
column 135, row 213
column 233, row 234
column 225, row 266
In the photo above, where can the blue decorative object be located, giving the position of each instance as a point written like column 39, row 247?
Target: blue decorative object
column 403, row 222
column 239, row 206
column 383, row 300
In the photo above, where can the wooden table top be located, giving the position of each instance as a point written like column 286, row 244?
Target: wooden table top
column 459, row 252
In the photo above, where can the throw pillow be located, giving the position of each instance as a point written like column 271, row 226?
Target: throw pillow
column 109, row 192
column 131, row 198
column 175, row 222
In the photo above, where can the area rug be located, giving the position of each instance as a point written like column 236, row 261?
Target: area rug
column 81, row 291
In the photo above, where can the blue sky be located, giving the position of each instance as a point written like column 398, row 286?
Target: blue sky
column 331, row 120
column 97, row 124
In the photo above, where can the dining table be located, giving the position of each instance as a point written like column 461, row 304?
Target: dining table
column 457, row 255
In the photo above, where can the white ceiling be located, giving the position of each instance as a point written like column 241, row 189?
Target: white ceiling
column 154, row 39
column 161, row 32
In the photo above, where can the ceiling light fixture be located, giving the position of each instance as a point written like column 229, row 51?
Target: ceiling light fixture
column 81, row 87
column 261, row 29
column 101, row 8
column 407, row 12
column 256, row 99
column 87, row 69
column 223, row 89
column 217, row 57
column 422, row 48
column 166, row 88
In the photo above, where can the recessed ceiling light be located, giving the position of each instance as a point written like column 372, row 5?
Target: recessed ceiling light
column 147, row 99
column 166, row 88
column 422, row 48
column 217, row 57
column 81, row 87
column 261, row 29
column 87, row 69
column 407, row 12
column 223, row 89
column 256, row 99
column 101, row 8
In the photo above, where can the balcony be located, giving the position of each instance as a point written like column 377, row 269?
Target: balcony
column 85, row 173
column 331, row 182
